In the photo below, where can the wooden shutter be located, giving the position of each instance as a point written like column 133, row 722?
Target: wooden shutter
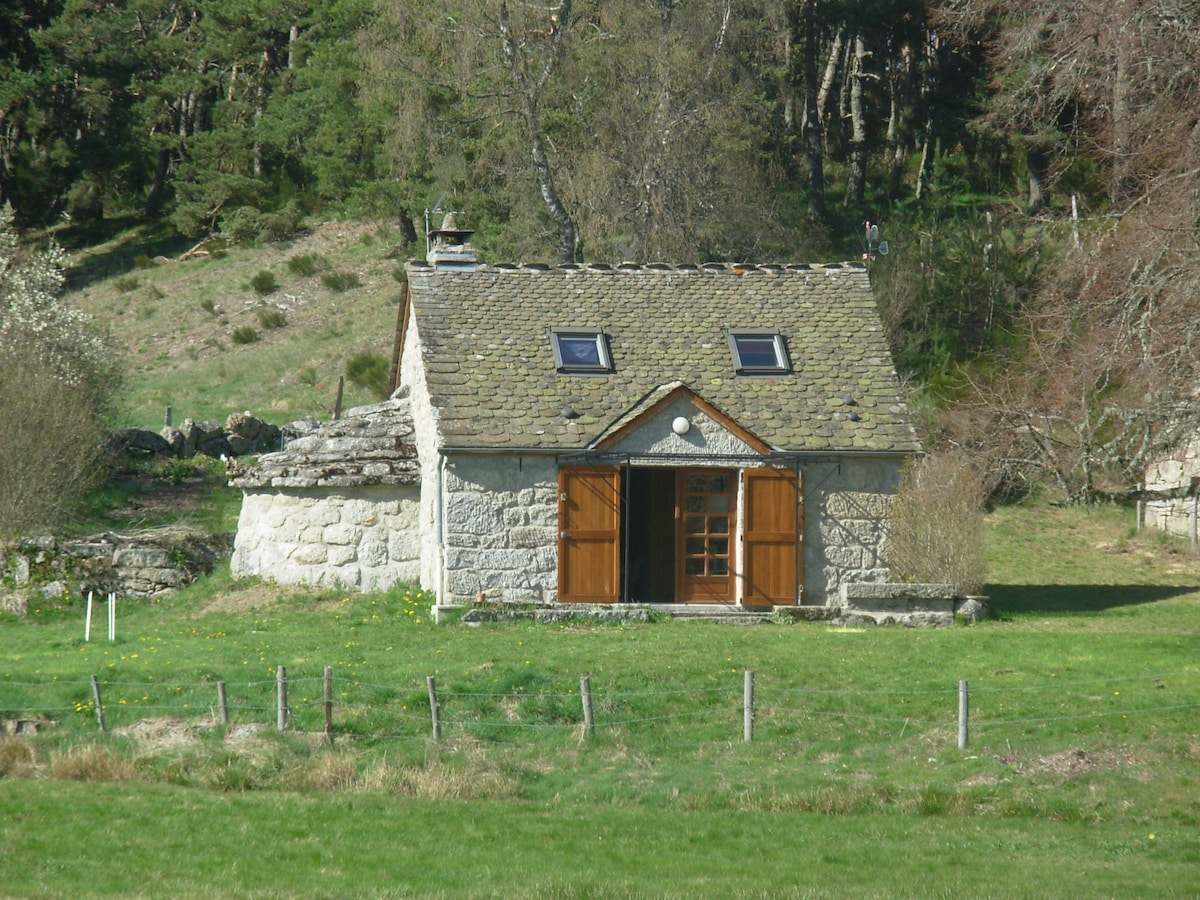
column 771, row 534
column 589, row 532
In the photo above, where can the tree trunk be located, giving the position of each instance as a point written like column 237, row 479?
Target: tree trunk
column 1122, row 126
column 813, row 128
column 901, row 96
column 531, row 95
column 831, row 67
column 1037, row 163
column 856, row 183
column 157, row 194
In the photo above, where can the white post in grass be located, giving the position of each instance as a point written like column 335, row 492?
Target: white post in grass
column 963, row 708
column 87, row 620
column 112, row 617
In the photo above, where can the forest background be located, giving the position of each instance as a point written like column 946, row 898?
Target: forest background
column 1034, row 167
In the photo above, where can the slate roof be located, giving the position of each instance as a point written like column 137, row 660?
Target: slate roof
column 491, row 374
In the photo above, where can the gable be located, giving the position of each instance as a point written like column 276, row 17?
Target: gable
column 493, row 377
column 674, row 421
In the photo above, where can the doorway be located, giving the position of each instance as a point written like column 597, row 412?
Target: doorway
column 672, row 535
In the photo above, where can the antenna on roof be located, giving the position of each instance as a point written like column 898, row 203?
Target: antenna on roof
column 437, row 210
column 872, row 246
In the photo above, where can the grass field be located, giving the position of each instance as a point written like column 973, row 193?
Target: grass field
column 1080, row 775
column 192, row 330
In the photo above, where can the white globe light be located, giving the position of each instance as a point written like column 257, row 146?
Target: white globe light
column 681, row 425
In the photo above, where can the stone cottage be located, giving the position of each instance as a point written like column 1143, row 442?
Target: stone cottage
column 715, row 435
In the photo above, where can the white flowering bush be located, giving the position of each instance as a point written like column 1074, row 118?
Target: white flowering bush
column 58, row 379
column 35, row 322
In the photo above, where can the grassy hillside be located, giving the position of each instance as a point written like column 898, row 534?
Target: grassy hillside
column 1080, row 769
column 182, row 322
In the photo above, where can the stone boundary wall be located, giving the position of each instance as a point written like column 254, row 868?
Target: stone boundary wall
column 241, row 435
column 143, row 566
column 912, row 605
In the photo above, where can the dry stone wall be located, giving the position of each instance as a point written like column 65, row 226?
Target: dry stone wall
column 149, row 565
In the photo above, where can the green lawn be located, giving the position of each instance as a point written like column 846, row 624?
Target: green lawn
column 1080, row 775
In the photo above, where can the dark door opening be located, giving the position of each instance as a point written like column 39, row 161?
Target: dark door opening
column 649, row 501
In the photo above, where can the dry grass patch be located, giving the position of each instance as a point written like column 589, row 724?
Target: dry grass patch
column 327, row 772
column 18, row 759
column 91, row 762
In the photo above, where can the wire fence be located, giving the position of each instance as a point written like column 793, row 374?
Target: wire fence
column 747, row 707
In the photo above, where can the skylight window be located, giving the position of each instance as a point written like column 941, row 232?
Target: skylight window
column 580, row 351
column 758, row 351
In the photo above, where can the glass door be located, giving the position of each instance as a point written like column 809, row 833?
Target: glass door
column 704, row 532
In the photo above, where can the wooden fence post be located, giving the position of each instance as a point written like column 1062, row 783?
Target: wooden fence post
column 222, row 703
column 585, row 693
column 748, row 708
column 963, row 708
column 434, row 710
column 329, row 703
column 281, row 691
column 99, row 705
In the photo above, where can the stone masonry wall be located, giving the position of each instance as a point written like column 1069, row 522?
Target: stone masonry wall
column 360, row 538
column 501, row 528
column 845, row 524
column 1178, row 514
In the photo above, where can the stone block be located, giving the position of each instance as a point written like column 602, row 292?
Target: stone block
column 342, row 533
column 340, row 555
column 141, row 558
column 373, row 553
column 310, row 554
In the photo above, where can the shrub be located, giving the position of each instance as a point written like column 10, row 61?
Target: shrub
column 305, row 265
column 370, row 371
column 126, row 283
column 242, row 225
column 245, row 334
column 935, row 529
column 208, row 306
column 264, row 283
column 340, row 281
column 282, row 224
column 142, row 261
column 270, row 317
column 59, row 376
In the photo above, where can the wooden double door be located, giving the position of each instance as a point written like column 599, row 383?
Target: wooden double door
column 679, row 535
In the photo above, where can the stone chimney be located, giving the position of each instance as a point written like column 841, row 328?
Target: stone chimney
column 449, row 247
